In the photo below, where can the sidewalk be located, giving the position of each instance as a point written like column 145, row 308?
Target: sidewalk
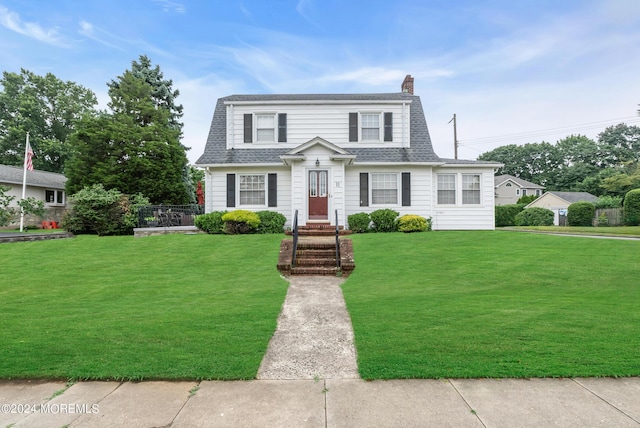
column 601, row 402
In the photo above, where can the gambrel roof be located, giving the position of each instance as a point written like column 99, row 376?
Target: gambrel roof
column 420, row 150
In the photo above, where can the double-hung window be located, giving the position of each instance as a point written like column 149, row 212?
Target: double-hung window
column 471, row 189
column 446, row 189
column 252, row 189
column 459, row 189
column 384, row 189
column 265, row 127
column 370, row 126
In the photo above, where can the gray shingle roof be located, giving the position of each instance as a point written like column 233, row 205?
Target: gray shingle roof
column 499, row 179
column 572, row 197
column 13, row 175
column 421, row 149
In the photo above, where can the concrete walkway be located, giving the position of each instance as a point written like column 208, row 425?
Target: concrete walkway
column 601, row 402
column 314, row 338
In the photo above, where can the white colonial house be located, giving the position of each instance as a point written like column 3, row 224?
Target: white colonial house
column 323, row 154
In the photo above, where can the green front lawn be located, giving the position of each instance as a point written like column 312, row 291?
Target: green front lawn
column 632, row 231
column 167, row 307
column 494, row 304
column 439, row 304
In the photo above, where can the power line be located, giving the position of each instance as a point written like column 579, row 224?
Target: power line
column 570, row 129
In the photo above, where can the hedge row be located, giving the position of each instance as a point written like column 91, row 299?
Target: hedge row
column 241, row 222
column 386, row 220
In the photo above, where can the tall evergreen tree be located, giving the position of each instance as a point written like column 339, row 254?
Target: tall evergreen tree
column 46, row 107
column 135, row 148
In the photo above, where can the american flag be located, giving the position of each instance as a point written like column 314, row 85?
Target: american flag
column 28, row 159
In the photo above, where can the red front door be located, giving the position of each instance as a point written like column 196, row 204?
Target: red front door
column 318, row 195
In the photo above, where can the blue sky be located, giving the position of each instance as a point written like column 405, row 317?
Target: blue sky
column 513, row 71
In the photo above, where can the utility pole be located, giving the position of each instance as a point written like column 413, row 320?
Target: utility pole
column 455, row 137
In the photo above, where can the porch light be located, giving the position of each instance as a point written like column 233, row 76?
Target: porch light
column 317, row 162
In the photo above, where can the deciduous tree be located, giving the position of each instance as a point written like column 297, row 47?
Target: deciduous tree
column 46, row 107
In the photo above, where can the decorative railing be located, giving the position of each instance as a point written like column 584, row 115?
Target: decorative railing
column 337, row 242
column 295, row 239
column 168, row 215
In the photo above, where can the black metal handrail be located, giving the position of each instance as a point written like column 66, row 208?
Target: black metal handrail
column 337, row 242
column 295, row 239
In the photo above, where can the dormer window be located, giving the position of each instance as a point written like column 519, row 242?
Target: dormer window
column 261, row 127
column 370, row 127
column 265, row 128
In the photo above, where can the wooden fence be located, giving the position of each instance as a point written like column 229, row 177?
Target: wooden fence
column 614, row 216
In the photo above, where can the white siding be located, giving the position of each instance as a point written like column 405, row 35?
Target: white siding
column 216, row 189
column 420, row 190
column 461, row 216
column 331, row 122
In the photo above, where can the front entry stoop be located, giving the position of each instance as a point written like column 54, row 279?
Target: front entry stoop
column 316, row 253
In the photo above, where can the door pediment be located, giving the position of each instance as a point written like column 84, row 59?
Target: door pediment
column 335, row 152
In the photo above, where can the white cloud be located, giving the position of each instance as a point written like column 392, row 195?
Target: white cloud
column 169, row 6
column 12, row 21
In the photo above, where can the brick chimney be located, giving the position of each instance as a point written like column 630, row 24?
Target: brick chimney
column 407, row 84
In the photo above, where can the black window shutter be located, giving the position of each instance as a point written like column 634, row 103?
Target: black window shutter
column 248, row 128
column 364, row 189
column 406, row 189
column 353, row 126
column 231, row 190
column 282, row 127
column 273, row 190
column 388, row 127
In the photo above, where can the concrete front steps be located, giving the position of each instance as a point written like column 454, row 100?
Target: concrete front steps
column 316, row 253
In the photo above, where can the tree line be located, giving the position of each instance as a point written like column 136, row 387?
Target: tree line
column 606, row 167
column 133, row 146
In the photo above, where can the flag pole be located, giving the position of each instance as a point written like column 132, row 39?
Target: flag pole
column 24, row 181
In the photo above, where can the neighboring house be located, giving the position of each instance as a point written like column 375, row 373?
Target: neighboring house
column 41, row 185
column 509, row 189
column 347, row 153
column 558, row 202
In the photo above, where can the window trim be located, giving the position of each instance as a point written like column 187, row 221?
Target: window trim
column 459, row 190
column 274, row 128
column 455, row 189
column 56, row 193
column 479, row 190
column 361, row 126
column 239, row 190
column 398, row 189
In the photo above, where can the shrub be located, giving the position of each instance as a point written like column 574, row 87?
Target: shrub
column 526, row 199
column 412, row 223
column 607, row 201
column 384, row 220
column 240, row 221
column 603, row 220
column 631, row 208
column 210, row 222
column 506, row 214
column 6, row 212
column 359, row 222
column 581, row 214
column 105, row 212
column 535, row 217
column 271, row 222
